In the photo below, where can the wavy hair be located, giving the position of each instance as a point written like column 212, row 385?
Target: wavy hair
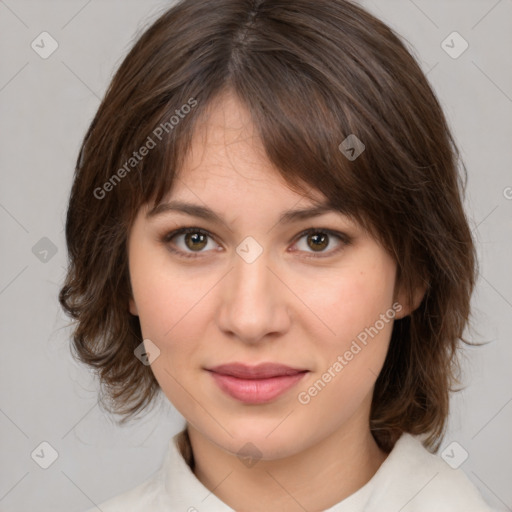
column 311, row 73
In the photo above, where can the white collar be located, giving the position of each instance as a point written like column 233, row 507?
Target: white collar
column 411, row 479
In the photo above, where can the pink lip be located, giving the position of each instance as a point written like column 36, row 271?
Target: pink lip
column 255, row 384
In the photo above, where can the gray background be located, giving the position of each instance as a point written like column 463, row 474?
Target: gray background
column 45, row 107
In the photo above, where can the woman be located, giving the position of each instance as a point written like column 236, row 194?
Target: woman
column 266, row 224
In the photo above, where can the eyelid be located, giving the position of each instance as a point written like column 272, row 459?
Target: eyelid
column 344, row 239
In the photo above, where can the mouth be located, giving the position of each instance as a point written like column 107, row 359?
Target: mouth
column 255, row 384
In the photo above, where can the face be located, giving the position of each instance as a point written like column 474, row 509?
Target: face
column 314, row 294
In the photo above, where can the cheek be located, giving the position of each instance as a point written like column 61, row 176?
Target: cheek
column 351, row 355
column 160, row 296
column 166, row 304
column 355, row 300
column 358, row 309
column 170, row 305
column 153, row 298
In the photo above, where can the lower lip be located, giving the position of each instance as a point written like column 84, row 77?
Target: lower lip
column 256, row 391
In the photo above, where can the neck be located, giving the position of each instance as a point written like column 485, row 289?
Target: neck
column 315, row 479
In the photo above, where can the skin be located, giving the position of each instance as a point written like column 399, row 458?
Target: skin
column 283, row 307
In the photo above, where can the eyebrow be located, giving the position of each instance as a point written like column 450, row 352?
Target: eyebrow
column 206, row 213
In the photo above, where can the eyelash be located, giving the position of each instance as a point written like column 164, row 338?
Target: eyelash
column 342, row 237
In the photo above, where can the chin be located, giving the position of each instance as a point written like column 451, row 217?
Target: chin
column 259, row 439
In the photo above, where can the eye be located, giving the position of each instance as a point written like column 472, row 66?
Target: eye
column 190, row 240
column 194, row 240
column 318, row 239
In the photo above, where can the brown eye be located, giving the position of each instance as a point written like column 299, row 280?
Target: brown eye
column 195, row 241
column 318, row 241
column 189, row 242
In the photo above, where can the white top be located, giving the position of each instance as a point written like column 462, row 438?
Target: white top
column 411, row 479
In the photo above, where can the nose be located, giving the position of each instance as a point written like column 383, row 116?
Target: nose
column 254, row 301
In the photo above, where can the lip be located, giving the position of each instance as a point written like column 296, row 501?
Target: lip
column 255, row 384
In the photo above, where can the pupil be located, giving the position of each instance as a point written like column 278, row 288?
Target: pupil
column 196, row 237
column 316, row 237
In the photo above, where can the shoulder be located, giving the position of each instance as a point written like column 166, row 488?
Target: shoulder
column 415, row 480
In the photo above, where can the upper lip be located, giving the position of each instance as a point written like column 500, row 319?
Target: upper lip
column 260, row 371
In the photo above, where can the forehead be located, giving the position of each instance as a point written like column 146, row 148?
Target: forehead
column 225, row 141
column 227, row 159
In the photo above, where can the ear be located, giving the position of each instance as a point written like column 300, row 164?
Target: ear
column 410, row 304
column 133, row 307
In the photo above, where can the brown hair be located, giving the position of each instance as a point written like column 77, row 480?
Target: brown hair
column 311, row 72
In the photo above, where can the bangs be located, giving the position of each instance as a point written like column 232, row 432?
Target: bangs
column 305, row 155
column 304, row 160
